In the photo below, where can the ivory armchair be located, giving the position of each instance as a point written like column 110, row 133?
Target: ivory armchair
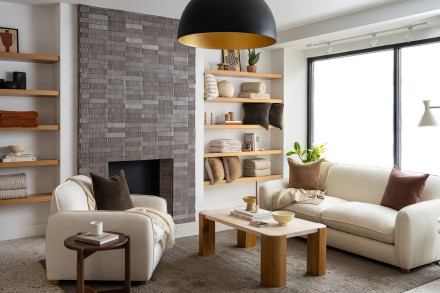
column 70, row 215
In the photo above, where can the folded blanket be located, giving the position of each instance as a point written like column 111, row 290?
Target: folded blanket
column 18, row 114
column 252, row 95
column 256, row 173
column 162, row 220
column 256, row 87
column 13, row 193
column 13, row 181
column 256, row 164
column 225, row 149
column 19, row 123
column 225, row 142
column 18, row 118
column 288, row 196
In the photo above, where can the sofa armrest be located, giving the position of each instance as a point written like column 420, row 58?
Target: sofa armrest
column 149, row 201
column 268, row 188
column 416, row 236
column 61, row 262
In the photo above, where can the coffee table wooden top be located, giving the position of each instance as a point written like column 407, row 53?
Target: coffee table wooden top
column 296, row 227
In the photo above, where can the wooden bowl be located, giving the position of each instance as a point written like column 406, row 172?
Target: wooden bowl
column 17, row 148
column 283, row 217
column 250, row 200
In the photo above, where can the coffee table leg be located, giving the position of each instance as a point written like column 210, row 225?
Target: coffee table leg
column 246, row 240
column 273, row 261
column 80, row 271
column 316, row 252
column 206, row 236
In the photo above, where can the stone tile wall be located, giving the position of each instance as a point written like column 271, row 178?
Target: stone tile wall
column 137, row 98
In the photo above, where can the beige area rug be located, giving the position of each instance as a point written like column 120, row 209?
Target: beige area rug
column 234, row 269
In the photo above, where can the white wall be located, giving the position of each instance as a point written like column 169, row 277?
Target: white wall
column 36, row 35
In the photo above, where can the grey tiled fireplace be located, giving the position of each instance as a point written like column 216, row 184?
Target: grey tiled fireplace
column 137, row 100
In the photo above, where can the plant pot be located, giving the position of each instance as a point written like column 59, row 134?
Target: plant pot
column 251, row 68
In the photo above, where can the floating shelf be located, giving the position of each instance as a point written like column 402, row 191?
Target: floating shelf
column 9, row 92
column 41, row 197
column 243, row 100
column 245, row 179
column 268, row 152
column 41, row 127
column 29, row 163
column 207, row 127
column 256, row 75
column 33, row 58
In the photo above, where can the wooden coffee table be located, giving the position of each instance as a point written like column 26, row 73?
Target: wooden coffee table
column 273, row 243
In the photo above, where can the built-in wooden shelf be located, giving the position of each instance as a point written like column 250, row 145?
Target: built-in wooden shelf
column 243, row 100
column 41, row 93
column 33, row 58
column 256, row 75
column 41, row 197
column 245, row 179
column 41, row 127
column 256, row 153
column 207, row 127
column 29, row 163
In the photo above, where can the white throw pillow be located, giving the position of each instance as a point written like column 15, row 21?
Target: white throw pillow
column 211, row 90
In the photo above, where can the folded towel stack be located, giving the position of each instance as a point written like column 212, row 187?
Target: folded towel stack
column 13, row 186
column 256, row 167
column 225, row 146
column 253, row 90
column 18, row 119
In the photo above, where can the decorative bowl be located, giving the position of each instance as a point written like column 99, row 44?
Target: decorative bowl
column 17, row 149
column 283, row 217
column 250, row 200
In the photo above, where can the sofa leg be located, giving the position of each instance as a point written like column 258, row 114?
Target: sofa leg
column 54, row 282
column 405, row 271
column 143, row 282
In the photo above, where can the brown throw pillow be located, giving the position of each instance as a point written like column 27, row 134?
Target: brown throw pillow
column 111, row 193
column 403, row 190
column 276, row 115
column 214, row 167
column 256, row 113
column 304, row 176
column 232, row 168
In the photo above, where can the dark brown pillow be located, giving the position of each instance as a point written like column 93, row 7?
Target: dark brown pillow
column 214, row 167
column 256, row 113
column 111, row 193
column 276, row 115
column 403, row 190
column 232, row 168
column 304, row 176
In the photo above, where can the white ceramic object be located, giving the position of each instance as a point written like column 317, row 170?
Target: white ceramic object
column 283, row 217
column 96, row 228
column 17, row 149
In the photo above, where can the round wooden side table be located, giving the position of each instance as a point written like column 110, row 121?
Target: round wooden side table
column 84, row 250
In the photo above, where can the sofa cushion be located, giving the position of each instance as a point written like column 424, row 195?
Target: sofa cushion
column 403, row 190
column 363, row 219
column 305, row 176
column 312, row 212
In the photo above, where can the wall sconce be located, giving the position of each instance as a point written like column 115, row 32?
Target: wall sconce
column 428, row 119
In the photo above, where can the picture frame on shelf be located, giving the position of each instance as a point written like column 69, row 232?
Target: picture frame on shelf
column 232, row 58
column 251, row 142
column 8, row 40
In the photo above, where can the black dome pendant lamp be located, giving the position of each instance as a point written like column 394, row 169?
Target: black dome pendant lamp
column 227, row 24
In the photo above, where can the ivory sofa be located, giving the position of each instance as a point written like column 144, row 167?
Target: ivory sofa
column 356, row 222
column 70, row 214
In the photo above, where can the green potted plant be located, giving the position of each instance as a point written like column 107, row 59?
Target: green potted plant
column 312, row 155
column 253, row 59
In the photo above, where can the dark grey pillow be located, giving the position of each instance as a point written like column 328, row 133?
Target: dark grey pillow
column 256, row 113
column 111, row 193
column 276, row 115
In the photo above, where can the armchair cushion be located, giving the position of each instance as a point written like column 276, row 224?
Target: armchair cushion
column 111, row 193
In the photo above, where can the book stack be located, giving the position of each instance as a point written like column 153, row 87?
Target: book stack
column 96, row 239
column 251, row 216
column 230, row 123
column 18, row 158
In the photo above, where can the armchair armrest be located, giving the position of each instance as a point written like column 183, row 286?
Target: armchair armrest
column 268, row 188
column 416, row 236
column 149, row 201
column 61, row 262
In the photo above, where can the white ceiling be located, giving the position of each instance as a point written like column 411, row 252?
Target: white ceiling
column 288, row 13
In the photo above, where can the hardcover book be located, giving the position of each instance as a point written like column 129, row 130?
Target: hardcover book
column 96, row 239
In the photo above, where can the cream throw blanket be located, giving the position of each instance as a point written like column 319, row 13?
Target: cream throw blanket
column 161, row 220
